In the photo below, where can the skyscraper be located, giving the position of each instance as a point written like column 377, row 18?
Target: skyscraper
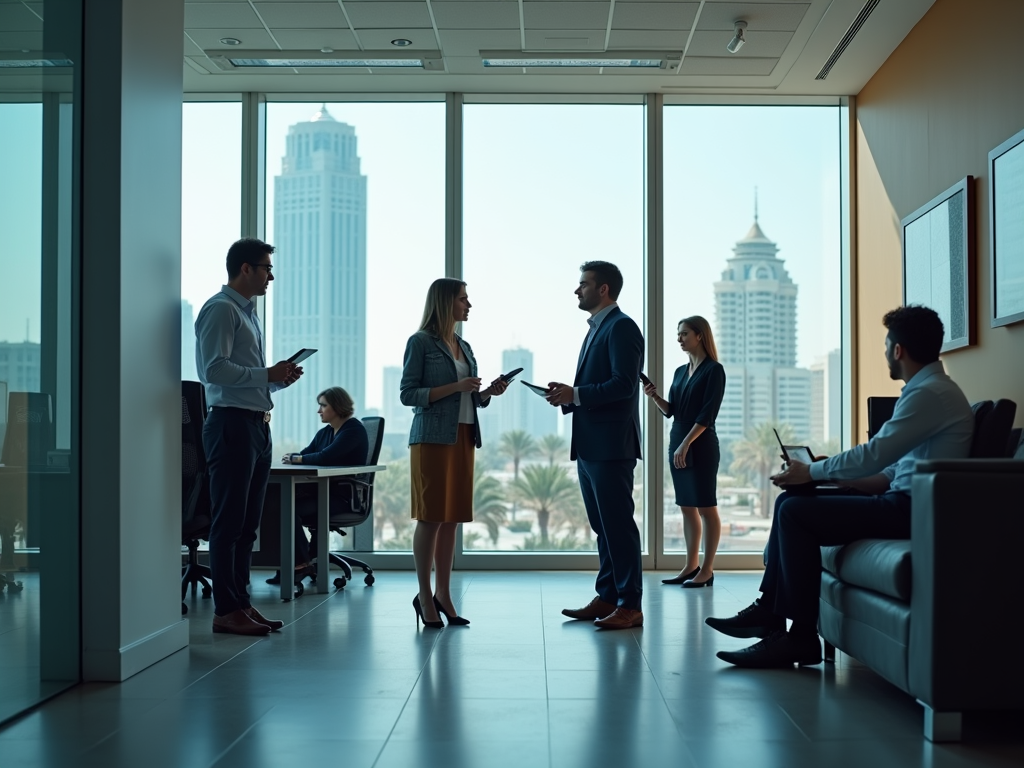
column 519, row 408
column 320, row 301
column 826, row 399
column 397, row 417
column 755, row 309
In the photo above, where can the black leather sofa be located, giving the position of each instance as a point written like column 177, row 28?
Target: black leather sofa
column 912, row 612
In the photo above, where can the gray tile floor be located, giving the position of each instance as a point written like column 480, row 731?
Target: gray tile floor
column 349, row 681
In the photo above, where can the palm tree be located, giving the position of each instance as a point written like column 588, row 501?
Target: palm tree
column 758, row 457
column 488, row 503
column 392, row 496
column 552, row 447
column 546, row 490
column 517, row 445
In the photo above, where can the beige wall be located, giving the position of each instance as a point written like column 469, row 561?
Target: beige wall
column 929, row 116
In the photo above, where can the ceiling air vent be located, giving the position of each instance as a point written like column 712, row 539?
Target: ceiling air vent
column 848, row 38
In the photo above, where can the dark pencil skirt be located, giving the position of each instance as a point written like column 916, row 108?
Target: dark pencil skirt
column 697, row 484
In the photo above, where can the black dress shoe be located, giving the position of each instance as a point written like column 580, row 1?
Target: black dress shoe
column 275, row 579
column 681, row 579
column 753, row 621
column 778, row 650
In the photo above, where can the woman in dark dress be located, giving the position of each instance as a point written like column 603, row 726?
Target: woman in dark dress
column 693, row 402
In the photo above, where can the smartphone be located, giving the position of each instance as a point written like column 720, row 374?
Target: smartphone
column 647, row 382
column 301, row 355
column 511, row 375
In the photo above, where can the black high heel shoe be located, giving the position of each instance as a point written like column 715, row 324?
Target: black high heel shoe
column 419, row 616
column 691, row 584
column 684, row 577
column 457, row 621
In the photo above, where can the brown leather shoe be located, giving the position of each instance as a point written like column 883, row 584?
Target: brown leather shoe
column 238, row 623
column 259, row 618
column 595, row 609
column 621, row 618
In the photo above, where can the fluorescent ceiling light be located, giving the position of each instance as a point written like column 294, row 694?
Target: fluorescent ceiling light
column 609, row 59
column 33, row 59
column 229, row 60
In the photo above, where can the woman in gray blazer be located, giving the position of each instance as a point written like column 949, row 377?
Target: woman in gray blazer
column 441, row 384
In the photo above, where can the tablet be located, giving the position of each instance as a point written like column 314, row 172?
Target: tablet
column 511, row 375
column 301, row 355
column 542, row 391
column 794, row 452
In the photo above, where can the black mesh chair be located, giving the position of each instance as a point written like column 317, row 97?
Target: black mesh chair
column 195, row 489
column 993, row 423
column 361, row 487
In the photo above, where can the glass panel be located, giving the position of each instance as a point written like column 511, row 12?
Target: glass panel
column 547, row 187
column 355, row 207
column 39, row 464
column 752, row 244
column 211, row 209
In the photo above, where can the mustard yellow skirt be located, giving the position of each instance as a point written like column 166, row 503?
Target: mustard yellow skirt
column 442, row 479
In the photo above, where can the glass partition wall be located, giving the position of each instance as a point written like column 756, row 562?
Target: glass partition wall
column 368, row 201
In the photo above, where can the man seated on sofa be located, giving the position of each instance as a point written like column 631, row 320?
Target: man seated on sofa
column 932, row 420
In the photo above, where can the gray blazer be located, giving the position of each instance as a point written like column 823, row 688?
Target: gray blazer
column 428, row 364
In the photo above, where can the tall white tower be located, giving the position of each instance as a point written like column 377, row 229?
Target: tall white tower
column 320, row 299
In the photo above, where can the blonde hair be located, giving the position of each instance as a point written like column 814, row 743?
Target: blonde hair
column 339, row 400
column 438, row 316
column 702, row 328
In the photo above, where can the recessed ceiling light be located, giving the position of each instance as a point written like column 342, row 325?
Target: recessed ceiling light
column 248, row 59
column 230, row 41
column 401, row 42
column 667, row 60
column 326, row 50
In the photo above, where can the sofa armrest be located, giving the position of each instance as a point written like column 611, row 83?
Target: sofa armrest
column 1001, row 466
column 961, row 515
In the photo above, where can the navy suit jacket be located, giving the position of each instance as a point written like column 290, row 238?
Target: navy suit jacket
column 606, row 423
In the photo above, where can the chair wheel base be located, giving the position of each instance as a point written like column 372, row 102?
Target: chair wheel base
column 340, row 582
column 369, row 580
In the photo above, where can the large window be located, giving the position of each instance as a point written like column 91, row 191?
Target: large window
column 752, row 243
column 356, row 208
column 546, row 187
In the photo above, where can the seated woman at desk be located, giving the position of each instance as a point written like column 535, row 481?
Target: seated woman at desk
column 342, row 443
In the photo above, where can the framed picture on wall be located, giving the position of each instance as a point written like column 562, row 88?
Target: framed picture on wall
column 938, row 261
column 1006, row 230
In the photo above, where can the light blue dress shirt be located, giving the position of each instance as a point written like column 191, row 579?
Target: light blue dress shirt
column 932, row 420
column 594, row 322
column 229, row 353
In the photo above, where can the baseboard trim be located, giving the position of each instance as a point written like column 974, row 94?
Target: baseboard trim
column 118, row 665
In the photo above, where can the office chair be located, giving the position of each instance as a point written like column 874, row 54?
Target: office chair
column 993, row 423
column 361, row 504
column 195, row 489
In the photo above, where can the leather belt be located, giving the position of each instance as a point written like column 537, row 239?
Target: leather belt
column 261, row 416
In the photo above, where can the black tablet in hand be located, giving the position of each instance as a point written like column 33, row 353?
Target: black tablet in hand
column 301, row 355
column 511, row 375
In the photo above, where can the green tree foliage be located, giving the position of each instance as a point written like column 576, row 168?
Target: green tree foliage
column 553, row 448
column 548, row 490
column 757, row 458
column 392, row 497
column 488, row 503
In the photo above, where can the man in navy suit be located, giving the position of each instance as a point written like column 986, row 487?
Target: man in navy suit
column 604, row 401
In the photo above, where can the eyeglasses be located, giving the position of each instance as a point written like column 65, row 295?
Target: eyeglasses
column 268, row 267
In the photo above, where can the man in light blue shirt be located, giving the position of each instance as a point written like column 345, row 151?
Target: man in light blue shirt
column 231, row 364
column 932, row 420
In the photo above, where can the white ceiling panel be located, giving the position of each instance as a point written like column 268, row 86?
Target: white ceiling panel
column 469, row 42
column 315, row 39
column 554, row 14
column 759, row 45
column 209, row 39
column 564, row 40
column 700, row 65
column 645, row 39
column 220, row 16
column 654, row 15
column 380, row 39
column 22, row 40
column 381, row 15
column 17, row 18
column 784, row 17
column 465, row 15
column 302, row 15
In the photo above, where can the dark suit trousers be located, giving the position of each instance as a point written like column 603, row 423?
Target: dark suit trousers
column 238, row 454
column 805, row 523
column 607, row 488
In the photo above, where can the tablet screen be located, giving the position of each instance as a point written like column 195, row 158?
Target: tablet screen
column 301, row 355
column 542, row 391
column 800, row 453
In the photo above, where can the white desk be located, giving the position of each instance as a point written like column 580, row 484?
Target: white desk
column 288, row 476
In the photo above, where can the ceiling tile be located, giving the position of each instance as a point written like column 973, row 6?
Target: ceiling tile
column 654, row 15
column 553, row 14
column 714, row 66
column 302, row 15
column 220, row 16
column 784, row 17
column 565, row 40
column 315, row 39
column 380, row 39
column 487, row 15
column 759, row 45
column 469, row 42
column 645, row 39
column 18, row 18
column 252, row 39
column 381, row 15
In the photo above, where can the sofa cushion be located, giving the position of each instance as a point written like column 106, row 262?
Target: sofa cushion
column 881, row 565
